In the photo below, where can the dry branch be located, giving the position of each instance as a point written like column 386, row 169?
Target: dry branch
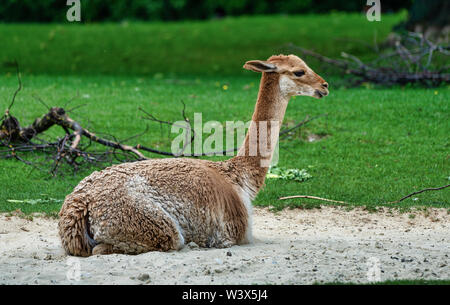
column 408, row 62
column 418, row 192
column 312, row 197
column 345, row 202
column 18, row 89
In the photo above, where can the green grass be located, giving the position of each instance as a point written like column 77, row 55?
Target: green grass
column 378, row 144
column 216, row 47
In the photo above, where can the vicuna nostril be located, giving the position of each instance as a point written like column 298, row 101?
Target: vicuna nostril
column 325, row 85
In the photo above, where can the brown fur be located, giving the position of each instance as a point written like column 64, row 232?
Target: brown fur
column 162, row 204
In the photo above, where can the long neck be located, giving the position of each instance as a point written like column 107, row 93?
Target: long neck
column 260, row 142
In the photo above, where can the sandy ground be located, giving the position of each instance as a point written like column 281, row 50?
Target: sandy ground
column 291, row 247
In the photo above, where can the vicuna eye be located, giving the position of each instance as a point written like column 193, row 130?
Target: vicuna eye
column 299, row 73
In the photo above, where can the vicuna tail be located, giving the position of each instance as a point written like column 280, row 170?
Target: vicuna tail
column 74, row 230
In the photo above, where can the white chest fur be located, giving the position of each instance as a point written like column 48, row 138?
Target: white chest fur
column 245, row 194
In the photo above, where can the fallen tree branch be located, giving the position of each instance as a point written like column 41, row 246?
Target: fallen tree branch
column 312, row 197
column 58, row 116
column 418, row 192
column 18, row 89
column 345, row 202
column 410, row 61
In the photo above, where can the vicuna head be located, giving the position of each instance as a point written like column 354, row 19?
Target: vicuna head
column 296, row 78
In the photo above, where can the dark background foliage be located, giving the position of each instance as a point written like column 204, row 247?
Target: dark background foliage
column 118, row 10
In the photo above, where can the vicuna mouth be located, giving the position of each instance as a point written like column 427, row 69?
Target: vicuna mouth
column 320, row 94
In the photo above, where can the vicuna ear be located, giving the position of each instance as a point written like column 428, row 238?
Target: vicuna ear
column 260, row 66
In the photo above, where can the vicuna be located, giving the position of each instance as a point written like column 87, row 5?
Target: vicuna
column 163, row 204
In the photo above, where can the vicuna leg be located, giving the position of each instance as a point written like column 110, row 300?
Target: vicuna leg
column 102, row 249
column 135, row 228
